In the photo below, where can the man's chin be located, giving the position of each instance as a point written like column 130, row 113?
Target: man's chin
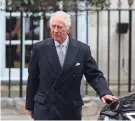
column 58, row 40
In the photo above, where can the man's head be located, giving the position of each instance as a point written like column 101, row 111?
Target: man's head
column 60, row 25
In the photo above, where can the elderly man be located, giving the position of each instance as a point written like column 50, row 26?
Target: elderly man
column 55, row 71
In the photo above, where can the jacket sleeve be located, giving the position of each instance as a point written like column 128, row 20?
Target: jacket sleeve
column 33, row 79
column 94, row 76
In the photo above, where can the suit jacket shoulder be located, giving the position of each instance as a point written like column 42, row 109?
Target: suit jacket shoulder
column 44, row 42
column 84, row 47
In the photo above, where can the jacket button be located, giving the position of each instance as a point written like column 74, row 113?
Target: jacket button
column 73, row 75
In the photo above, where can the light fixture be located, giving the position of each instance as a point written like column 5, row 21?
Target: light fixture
column 130, row 2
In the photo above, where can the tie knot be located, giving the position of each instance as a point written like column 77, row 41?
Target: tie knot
column 60, row 46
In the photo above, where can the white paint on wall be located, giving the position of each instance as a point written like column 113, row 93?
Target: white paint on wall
column 103, row 42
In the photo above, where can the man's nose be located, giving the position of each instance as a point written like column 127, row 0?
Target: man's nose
column 55, row 30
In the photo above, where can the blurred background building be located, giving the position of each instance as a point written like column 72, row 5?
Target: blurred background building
column 107, row 26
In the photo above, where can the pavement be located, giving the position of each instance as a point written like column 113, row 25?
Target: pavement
column 14, row 109
column 13, row 114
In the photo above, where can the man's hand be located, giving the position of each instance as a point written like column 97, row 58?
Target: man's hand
column 30, row 113
column 105, row 99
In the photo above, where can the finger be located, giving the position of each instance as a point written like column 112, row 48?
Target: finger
column 109, row 98
column 103, row 100
column 32, row 116
column 115, row 98
column 30, row 113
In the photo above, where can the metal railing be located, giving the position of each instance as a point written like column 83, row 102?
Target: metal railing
column 121, row 28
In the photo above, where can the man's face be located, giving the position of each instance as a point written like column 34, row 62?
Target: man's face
column 58, row 29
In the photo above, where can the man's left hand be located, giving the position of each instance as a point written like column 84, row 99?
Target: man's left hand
column 108, row 98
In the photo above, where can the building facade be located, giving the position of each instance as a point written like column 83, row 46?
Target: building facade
column 92, row 29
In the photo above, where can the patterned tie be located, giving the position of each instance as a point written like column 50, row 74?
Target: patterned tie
column 61, row 55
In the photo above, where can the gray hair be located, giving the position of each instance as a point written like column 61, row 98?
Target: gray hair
column 62, row 14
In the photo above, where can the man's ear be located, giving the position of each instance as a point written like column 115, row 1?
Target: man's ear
column 69, row 30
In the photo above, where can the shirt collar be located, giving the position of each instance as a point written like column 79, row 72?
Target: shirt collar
column 65, row 43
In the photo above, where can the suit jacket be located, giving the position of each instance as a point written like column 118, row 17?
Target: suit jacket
column 54, row 92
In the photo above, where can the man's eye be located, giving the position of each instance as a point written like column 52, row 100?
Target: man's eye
column 59, row 27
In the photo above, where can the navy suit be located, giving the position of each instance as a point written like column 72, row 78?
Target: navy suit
column 53, row 93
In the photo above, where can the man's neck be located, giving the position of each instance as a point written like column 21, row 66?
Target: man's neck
column 60, row 42
column 64, row 43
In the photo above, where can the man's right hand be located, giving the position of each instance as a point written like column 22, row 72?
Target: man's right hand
column 30, row 113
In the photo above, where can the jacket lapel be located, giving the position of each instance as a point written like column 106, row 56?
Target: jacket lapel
column 52, row 56
column 69, row 60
